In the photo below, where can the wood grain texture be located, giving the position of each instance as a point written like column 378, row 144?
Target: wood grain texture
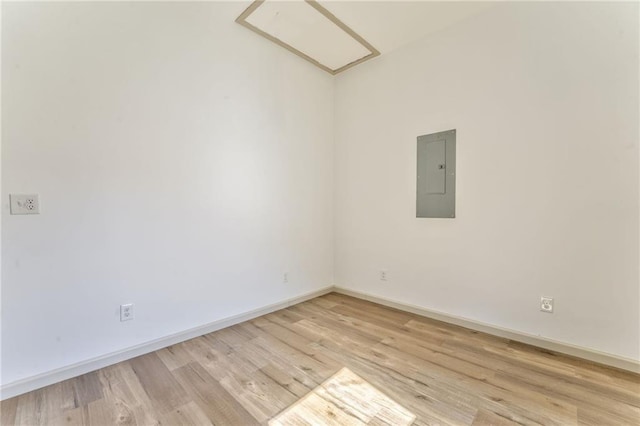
column 251, row 372
column 163, row 389
column 345, row 399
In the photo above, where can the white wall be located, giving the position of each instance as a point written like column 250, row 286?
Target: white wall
column 183, row 164
column 544, row 97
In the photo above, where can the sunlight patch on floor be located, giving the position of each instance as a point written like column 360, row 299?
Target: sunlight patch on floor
column 345, row 399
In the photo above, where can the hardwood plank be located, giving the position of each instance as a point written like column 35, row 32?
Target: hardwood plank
column 324, row 302
column 273, row 330
column 286, row 379
column 359, row 398
column 39, row 407
column 68, row 393
column 272, row 327
column 596, row 417
column 259, row 394
column 175, row 356
column 88, row 388
column 298, row 362
column 163, row 389
column 8, row 409
column 285, row 315
column 583, row 367
column 217, row 358
column 607, row 380
column 125, row 397
column 188, row 414
column 560, row 392
column 263, row 357
column 388, row 315
column 248, row 329
column 100, row 413
column 232, row 337
column 73, row 417
column 528, row 368
column 315, row 410
column 487, row 418
column 213, row 399
column 336, row 321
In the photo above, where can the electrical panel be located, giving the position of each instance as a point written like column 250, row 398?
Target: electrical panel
column 436, row 180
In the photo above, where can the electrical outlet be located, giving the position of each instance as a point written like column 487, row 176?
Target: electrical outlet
column 383, row 275
column 24, row 204
column 285, row 277
column 126, row 312
column 546, row 304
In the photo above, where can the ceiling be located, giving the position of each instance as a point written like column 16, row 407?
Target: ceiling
column 386, row 25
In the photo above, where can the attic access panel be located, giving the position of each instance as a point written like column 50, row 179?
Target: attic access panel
column 436, row 177
column 310, row 31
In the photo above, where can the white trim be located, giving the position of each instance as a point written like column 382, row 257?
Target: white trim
column 50, row 377
column 611, row 360
column 54, row 376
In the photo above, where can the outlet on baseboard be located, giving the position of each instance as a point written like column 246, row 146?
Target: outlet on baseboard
column 285, row 277
column 546, row 304
column 126, row 312
column 384, row 274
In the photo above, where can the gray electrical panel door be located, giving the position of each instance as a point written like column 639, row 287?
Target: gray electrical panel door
column 436, row 185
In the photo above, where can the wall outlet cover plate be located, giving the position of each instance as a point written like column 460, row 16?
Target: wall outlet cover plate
column 126, row 312
column 24, row 203
column 546, row 304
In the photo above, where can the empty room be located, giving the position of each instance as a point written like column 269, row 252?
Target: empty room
column 320, row 212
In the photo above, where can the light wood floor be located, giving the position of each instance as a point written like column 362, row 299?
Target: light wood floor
column 248, row 373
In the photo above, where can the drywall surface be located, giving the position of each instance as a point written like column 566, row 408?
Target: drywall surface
column 183, row 164
column 544, row 97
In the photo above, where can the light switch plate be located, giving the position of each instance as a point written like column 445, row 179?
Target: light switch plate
column 24, row 204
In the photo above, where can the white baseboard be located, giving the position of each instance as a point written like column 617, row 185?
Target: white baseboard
column 611, row 360
column 35, row 382
column 50, row 377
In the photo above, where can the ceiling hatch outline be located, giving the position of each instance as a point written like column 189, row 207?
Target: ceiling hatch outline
column 373, row 52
